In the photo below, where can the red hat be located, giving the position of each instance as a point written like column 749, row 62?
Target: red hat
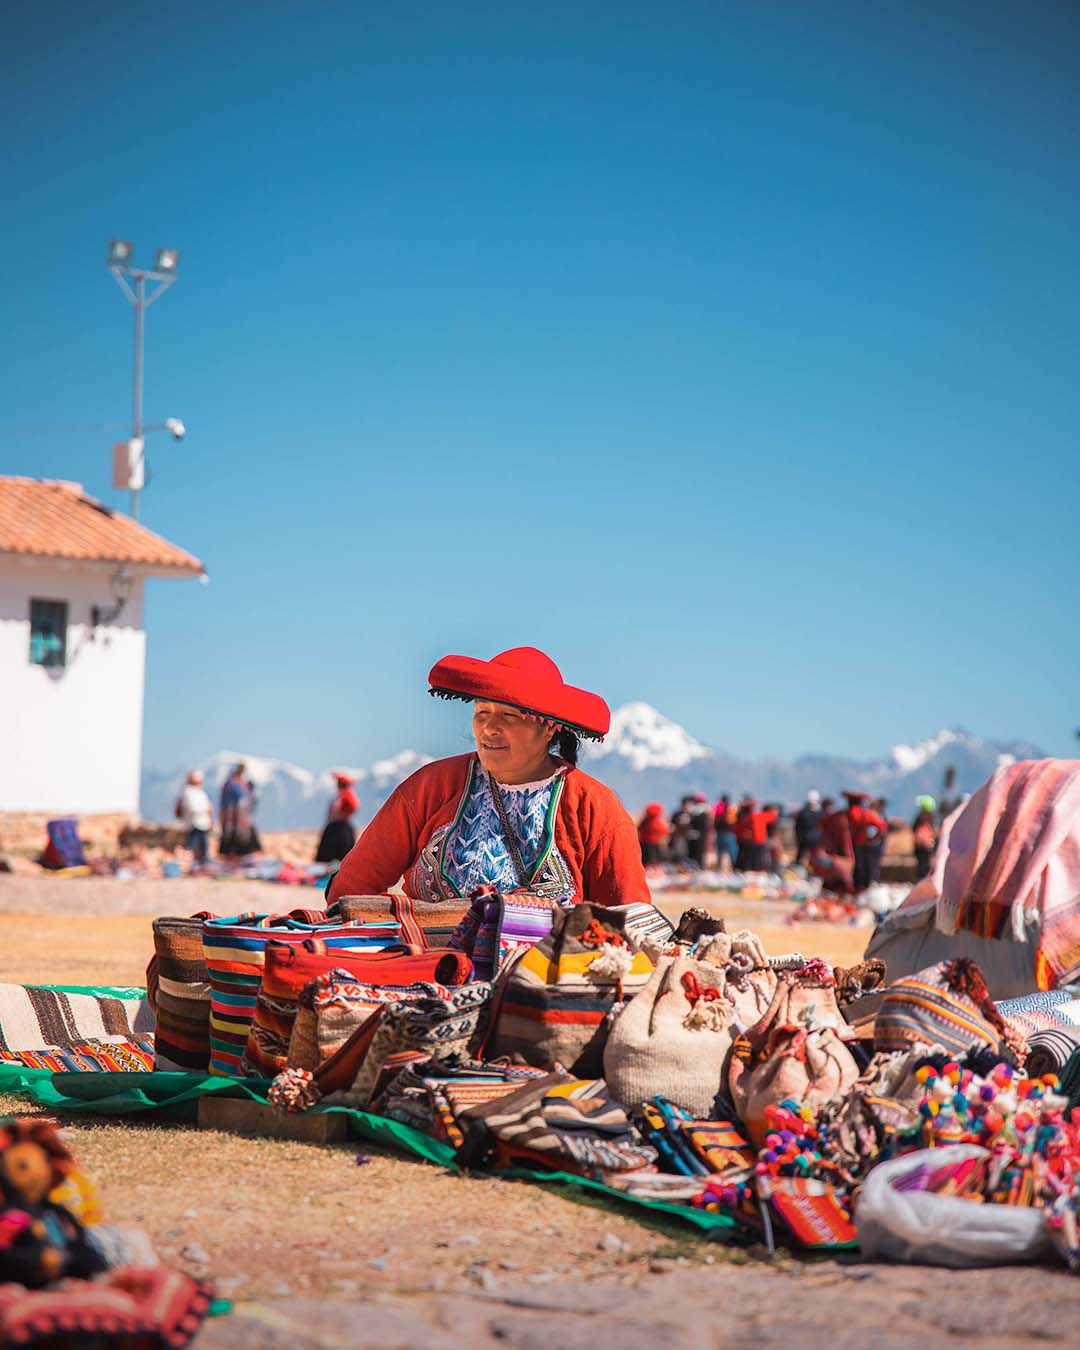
column 856, row 798
column 525, row 679
column 654, row 809
column 344, row 780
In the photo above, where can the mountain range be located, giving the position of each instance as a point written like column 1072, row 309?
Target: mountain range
column 646, row 757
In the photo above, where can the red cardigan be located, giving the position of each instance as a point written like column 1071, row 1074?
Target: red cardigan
column 593, row 833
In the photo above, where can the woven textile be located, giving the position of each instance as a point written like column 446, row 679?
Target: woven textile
column 150, row 1306
column 179, row 983
column 1049, row 1051
column 444, row 1025
column 423, row 924
column 554, row 1002
column 234, row 949
column 557, row 1122
column 121, row 1056
column 32, row 1018
column 430, row 1094
column 498, row 926
column 933, row 1008
column 695, row 1147
column 289, row 967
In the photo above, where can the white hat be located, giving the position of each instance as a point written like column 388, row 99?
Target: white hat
column 813, row 797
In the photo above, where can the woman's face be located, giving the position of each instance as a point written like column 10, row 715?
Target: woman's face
column 510, row 745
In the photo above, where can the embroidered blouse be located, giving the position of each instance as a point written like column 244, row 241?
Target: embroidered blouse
column 440, row 834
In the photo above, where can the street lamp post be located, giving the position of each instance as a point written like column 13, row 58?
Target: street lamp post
column 163, row 273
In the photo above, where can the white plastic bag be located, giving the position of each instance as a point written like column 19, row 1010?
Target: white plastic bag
column 943, row 1230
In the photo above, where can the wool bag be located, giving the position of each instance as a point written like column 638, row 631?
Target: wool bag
column 423, row 924
column 288, row 967
column 553, row 1002
column 234, row 950
column 751, row 980
column 178, row 983
column 794, row 1051
column 443, row 1023
column 673, row 1039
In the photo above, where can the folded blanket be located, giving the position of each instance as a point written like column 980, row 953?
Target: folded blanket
column 35, row 1018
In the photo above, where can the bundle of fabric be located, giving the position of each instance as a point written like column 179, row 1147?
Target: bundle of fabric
column 498, row 926
column 556, row 1123
column 234, row 949
column 36, row 1018
column 136, row 1055
column 1005, row 885
column 948, row 1005
column 431, row 1094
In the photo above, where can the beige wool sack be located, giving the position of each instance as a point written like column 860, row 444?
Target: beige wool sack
column 673, row 1039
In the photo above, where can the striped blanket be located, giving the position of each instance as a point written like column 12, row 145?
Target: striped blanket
column 36, row 1018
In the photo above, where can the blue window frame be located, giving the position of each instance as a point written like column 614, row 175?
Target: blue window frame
column 48, row 632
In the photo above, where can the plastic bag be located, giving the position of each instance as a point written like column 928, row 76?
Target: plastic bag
column 943, row 1230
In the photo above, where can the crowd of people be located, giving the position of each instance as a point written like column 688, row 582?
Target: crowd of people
column 238, row 837
column 842, row 844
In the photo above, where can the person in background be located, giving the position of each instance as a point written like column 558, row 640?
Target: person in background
column 700, row 835
column 881, row 806
column 924, row 832
column 724, row 826
column 653, row 831
column 338, row 835
column 774, row 844
column 196, row 814
column 238, row 834
column 808, row 827
column 679, row 843
column 834, row 858
column 752, row 833
column 867, row 829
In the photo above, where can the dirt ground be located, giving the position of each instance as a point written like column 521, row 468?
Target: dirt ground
column 350, row 1245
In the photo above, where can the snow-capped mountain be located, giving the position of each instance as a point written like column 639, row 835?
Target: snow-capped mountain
column 645, row 739
column 646, row 757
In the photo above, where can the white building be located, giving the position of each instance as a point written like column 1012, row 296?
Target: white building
column 72, row 648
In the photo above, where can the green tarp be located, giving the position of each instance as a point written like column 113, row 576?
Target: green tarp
column 174, row 1096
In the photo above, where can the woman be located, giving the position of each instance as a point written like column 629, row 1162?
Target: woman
column 338, row 835
column 517, row 813
column 653, row 831
column 196, row 814
column 924, row 835
column 238, row 834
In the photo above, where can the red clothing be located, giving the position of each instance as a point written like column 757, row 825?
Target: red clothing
column 862, row 820
column 752, row 827
column 836, row 835
column 592, row 832
column 653, row 830
column 345, row 804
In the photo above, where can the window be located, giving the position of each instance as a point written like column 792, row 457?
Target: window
column 48, row 632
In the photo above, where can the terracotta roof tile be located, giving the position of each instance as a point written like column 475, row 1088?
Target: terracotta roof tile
column 46, row 518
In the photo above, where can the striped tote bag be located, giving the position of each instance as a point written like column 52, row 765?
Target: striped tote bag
column 234, row 949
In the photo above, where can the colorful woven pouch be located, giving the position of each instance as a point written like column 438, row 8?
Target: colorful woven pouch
column 288, row 967
column 553, row 1002
column 178, row 982
column 234, row 949
column 948, row 1005
column 498, row 926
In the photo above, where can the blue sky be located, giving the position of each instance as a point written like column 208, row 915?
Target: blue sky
column 727, row 352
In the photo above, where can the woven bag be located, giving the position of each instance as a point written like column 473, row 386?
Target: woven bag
column 289, row 967
column 445, row 1024
column 179, row 982
column 497, row 926
column 423, row 925
column 673, row 1039
column 234, row 949
column 553, row 1002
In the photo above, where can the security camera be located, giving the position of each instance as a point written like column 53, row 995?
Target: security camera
column 175, row 428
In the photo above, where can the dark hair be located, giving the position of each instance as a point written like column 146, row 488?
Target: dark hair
column 565, row 745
